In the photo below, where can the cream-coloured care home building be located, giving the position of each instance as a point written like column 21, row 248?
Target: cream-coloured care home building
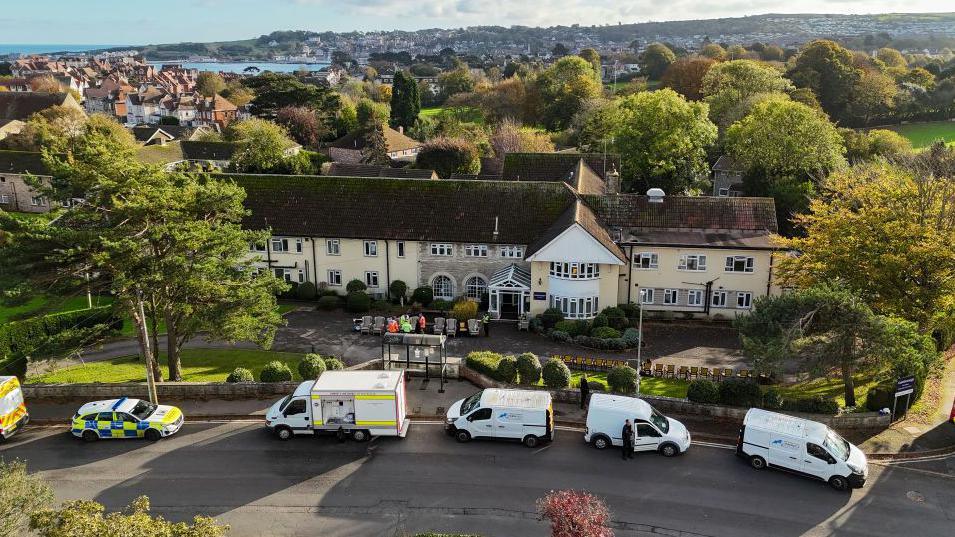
column 517, row 246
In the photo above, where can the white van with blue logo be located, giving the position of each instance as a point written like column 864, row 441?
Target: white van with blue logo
column 525, row 415
column 801, row 446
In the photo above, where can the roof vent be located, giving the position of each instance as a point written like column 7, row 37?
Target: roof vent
column 655, row 195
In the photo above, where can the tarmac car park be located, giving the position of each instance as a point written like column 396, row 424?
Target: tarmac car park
column 126, row 418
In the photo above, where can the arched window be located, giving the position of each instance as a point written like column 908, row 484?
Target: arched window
column 475, row 288
column 443, row 287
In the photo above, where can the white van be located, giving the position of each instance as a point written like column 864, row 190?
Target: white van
column 801, row 446
column 525, row 415
column 355, row 403
column 13, row 411
column 652, row 431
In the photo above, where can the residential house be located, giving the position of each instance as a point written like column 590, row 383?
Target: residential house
column 183, row 108
column 188, row 154
column 145, row 105
column 518, row 247
column 15, row 84
column 10, row 126
column 727, row 177
column 151, row 134
column 15, row 193
column 215, row 111
column 109, row 98
column 351, row 147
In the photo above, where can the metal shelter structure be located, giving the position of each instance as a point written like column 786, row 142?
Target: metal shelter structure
column 509, row 292
column 415, row 349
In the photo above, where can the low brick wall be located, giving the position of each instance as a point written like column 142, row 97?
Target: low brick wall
column 672, row 405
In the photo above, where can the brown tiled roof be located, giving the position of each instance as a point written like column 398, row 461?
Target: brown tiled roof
column 554, row 166
column 387, row 208
column 394, row 140
column 198, row 150
column 216, row 103
column 23, row 104
column 578, row 213
column 627, row 211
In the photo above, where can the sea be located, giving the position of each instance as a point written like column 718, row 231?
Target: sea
column 8, row 48
column 240, row 67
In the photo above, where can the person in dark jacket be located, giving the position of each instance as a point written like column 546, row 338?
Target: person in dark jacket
column 584, row 392
column 627, row 440
column 486, row 321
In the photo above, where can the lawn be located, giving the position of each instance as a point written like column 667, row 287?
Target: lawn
column 199, row 365
column 827, row 387
column 925, row 134
column 648, row 385
column 46, row 304
column 463, row 114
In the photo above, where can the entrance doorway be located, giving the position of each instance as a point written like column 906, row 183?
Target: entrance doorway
column 510, row 304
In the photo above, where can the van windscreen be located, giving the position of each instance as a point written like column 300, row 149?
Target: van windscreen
column 470, row 403
column 837, row 446
column 659, row 420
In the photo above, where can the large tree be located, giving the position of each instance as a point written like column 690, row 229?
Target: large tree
column 685, row 76
column 827, row 69
column 86, row 518
column 261, row 145
column 655, row 59
column 663, row 140
column 448, row 156
column 54, row 129
column 457, row 81
column 405, row 101
column 274, row 91
column 209, row 83
column 873, row 97
column 887, row 231
column 732, row 85
column 561, row 89
column 303, row 124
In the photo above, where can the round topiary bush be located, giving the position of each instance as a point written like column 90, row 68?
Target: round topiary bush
column 880, row 397
column 740, row 392
column 528, row 368
column 556, row 374
column 306, row 291
column 355, row 285
column 329, row 302
column 703, row 391
column 397, row 290
column 817, row 405
column 275, row 371
column 773, row 400
column 423, row 295
column 599, row 321
column 506, row 370
column 550, row 317
column 311, row 367
column 616, row 318
column 333, row 364
column 358, row 302
column 560, row 336
column 605, row 332
column 240, row 374
column 623, row 379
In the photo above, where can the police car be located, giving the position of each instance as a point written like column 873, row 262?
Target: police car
column 126, row 418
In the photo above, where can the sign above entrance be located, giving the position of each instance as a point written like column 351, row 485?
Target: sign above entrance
column 540, row 296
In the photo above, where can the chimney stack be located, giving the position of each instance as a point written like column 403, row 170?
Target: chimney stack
column 613, row 182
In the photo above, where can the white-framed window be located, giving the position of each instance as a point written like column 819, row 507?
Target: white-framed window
column 256, row 246
column 286, row 245
column 575, row 271
column 475, row 250
column 443, row 287
column 671, row 297
column 740, row 263
column 646, row 260
column 512, row 252
column 692, row 262
column 646, row 295
column 576, row 307
column 37, row 201
column 371, row 278
column 744, row 300
column 334, row 277
column 400, row 247
column 333, row 246
column 442, row 248
column 475, row 288
column 289, row 275
column 301, row 275
column 694, row 297
column 371, row 248
column 719, row 299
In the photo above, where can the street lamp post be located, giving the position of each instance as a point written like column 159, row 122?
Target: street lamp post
column 640, row 343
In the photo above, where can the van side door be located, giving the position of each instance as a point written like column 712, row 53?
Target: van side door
column 817, row 462
column 296, row 414
column 479, row 423
column 648, row 437
column 784, row 453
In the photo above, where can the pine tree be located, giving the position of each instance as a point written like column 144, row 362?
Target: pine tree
column 405, row 101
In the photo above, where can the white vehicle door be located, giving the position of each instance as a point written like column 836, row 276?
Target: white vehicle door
column 480, row 423
column 296, row 414
column 648, row 437
column 785, row 453
column 817, row 462
column 508, row 424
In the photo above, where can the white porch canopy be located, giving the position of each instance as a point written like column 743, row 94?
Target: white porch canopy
column 509, row 291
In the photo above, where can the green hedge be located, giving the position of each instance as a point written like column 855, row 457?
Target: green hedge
column 556, row 374
column 507, row 370
column 240, row 374
column 703, row 391
column 484, row 362
column 528, row 368
column 740, row 392
column 623, row 379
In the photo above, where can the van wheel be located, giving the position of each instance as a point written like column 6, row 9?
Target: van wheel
column 284, row 433
column 153, row 435
column 839, row 483
column 360, row 435
column 90, row 436
column 531, row 441
column 601, row 442
column 462, row 436
column 669, row 450
column 757, row 462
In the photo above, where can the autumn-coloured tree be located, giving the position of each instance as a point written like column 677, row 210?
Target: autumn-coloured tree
column 685, row 76
column 575, row 513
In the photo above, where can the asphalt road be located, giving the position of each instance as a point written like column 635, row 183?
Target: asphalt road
column 317, row 486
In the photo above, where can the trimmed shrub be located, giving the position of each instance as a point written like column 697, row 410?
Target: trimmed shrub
column 275, row 371
column 291, row 291
column 816, row 405
column 623, row 379
column 597, row 385
column 329, row 302
column 358, row 302
column 599, row 321
column 333, row 364
column 880, row 397
column 355, row 285
column 615, row 344
column 631, row 337
column 616, row 318
column 630, row 310
column 423, row 295
column 448, row 156
column 604, row 332
column 556, row 374
column 306, row 291
column 574, row 328
column 464, row 310
column 551, row 317
column 703, row 391
column 442, row 305
column 773, row 400
column 398, row 289
column 740, row 392
column 535, row 325
column 311, row 367
column 507, row 370
column 560, row 336
column 484, row 362
column 240, row 374
column 528, row 368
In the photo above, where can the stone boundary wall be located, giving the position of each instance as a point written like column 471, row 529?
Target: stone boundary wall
column 672, row 405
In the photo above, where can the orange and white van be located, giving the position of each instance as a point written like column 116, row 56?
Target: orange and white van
column 13, row 410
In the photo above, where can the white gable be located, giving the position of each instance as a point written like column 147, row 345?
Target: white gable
column 575, row 244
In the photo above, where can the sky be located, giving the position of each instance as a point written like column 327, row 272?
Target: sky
column 132, row 22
